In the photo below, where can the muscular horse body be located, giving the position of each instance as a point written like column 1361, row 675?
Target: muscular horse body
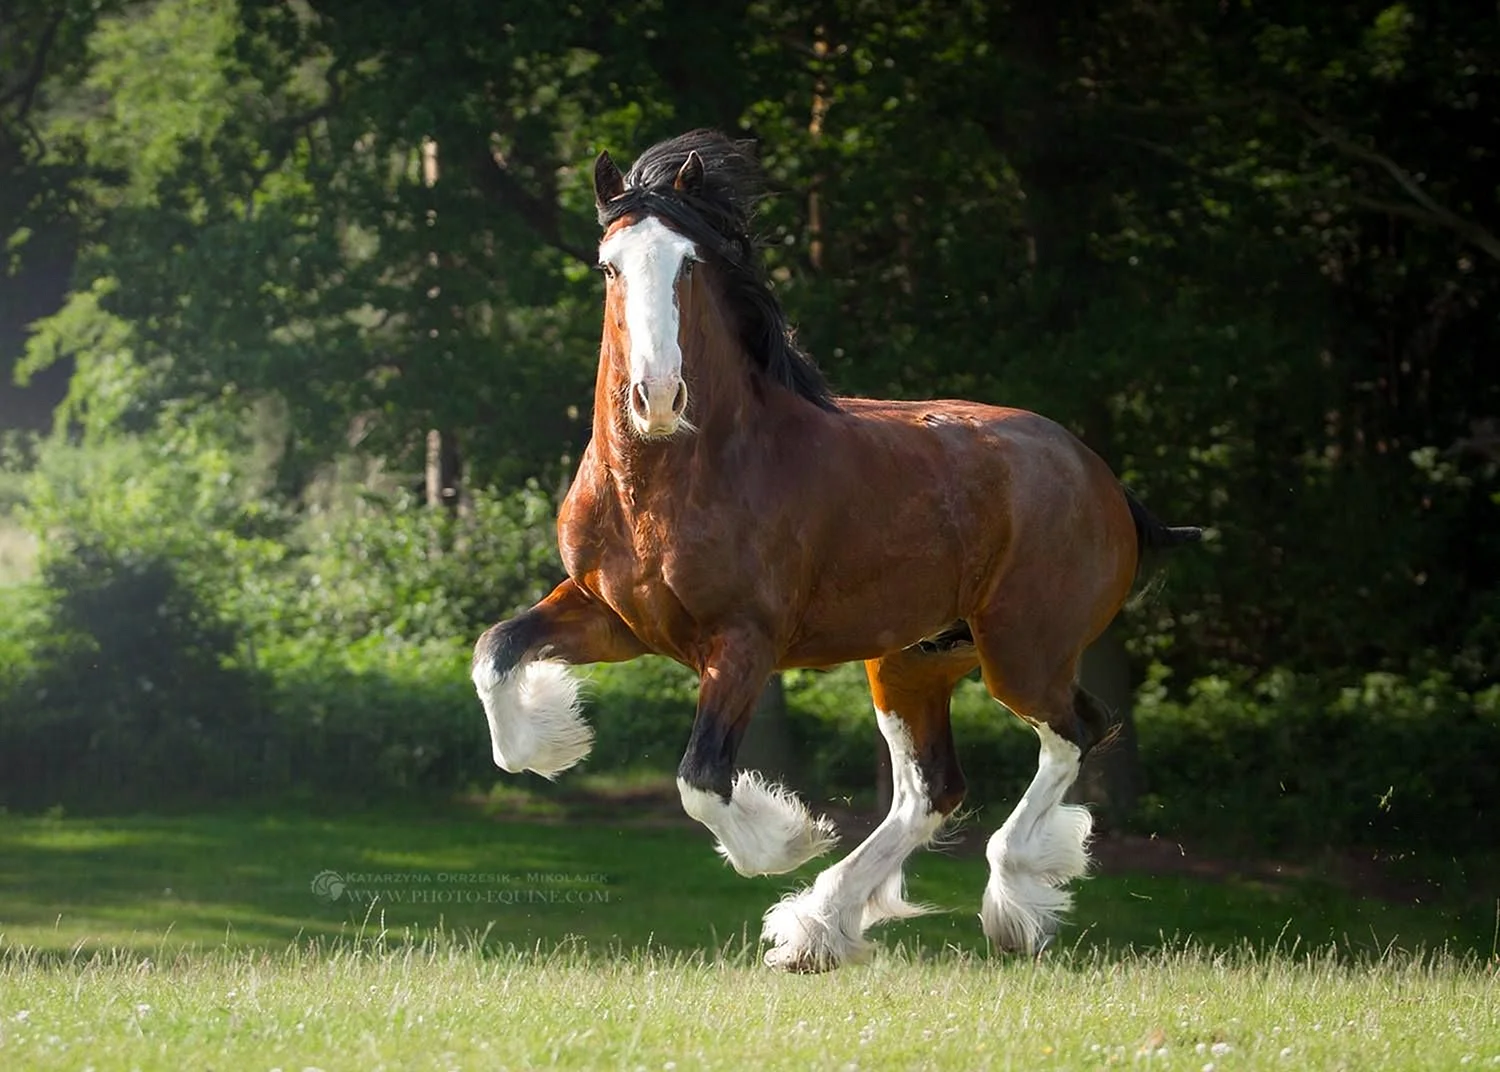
column 731, row 514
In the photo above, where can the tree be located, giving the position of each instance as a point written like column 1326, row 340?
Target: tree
column 1246, row 252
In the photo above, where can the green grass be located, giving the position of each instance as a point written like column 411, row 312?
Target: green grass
column 163, row 882
column 444, row 1005
column 199, row 942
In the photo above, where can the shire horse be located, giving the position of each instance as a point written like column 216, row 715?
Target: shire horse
column 732, row 514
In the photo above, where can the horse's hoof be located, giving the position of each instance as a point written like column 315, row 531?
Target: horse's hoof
column 799, row 961
column 807, row 936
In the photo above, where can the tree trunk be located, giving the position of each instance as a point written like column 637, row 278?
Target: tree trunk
column 1111, row 776
column 442, row 471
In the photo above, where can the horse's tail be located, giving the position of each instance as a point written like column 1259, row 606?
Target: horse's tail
column 1151, row 536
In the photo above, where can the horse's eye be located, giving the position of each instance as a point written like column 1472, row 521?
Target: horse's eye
column 608, row 270
column 687, row 268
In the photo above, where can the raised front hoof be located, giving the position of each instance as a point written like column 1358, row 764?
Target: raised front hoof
column 763, row 829
column 806, row 937
column 534, row 718
column 811, row 840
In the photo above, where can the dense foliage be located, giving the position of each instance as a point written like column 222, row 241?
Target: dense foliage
column 1248, row 251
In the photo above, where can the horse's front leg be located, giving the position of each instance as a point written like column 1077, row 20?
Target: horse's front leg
column 762, row 828
column 530, row 697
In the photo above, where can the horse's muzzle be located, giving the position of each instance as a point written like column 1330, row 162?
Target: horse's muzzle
column 657, row 406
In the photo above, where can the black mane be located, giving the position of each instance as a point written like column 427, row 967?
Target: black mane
column 717, row 220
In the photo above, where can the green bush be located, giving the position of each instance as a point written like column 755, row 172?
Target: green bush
column 120, row 688
column 642, row 713
column 393, row 567
column 394, row 716
column 371, row 716
column 189, row 638
column 120, row 683
column 1290, row 760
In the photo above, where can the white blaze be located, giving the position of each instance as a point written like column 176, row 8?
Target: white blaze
column 648, row 256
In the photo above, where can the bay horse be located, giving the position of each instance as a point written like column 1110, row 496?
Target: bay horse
column 732, row 514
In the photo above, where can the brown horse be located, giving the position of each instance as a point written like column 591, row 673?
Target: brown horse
column 730, row 513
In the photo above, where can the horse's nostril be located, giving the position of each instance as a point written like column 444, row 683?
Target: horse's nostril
column 679, row 400
column 638, row 401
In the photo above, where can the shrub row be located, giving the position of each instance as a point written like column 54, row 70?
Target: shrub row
column 124, row 692
column 185, row 642
column 1383, row 761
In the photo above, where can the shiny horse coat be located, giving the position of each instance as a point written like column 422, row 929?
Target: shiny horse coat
column 733, row 515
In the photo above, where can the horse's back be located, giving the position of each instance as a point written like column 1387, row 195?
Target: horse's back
column 1059, row 516
column 1046, row 470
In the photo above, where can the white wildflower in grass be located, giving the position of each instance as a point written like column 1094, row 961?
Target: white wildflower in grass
column 1219, row 1049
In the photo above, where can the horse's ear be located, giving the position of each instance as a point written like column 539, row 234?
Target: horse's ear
column 689, row 178
column 608, row 182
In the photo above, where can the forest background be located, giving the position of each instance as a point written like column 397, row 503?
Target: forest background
column 298, row 304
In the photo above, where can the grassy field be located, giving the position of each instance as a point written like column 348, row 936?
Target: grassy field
column 437, row 1005
column 448, row 940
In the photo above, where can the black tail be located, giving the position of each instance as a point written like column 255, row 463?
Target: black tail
column 1152, row 535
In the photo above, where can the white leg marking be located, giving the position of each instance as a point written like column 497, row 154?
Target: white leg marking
column 823, row 926
column 533, row 716
column 763, row 829
column 1041, row 848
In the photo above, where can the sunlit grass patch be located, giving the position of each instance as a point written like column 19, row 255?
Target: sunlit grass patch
column 444, row 1003
column 626, row 879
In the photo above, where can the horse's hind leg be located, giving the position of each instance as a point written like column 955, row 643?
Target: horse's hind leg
column 823, row 926
column 1043, row 845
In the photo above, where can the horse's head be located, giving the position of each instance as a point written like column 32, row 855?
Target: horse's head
column 688, row 201
column 648, row 268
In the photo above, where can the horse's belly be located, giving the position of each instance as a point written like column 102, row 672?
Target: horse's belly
column 853, row 625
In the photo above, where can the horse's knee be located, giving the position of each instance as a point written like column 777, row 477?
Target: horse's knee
column 502, row 647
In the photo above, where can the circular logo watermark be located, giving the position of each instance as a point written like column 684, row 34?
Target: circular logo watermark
column 328, row 886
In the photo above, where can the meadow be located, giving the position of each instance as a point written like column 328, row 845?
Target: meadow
column 451, row 939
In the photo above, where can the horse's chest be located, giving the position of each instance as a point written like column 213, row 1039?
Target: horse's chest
column 660, row 574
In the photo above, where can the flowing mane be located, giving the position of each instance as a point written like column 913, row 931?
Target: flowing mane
column 717, row 220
